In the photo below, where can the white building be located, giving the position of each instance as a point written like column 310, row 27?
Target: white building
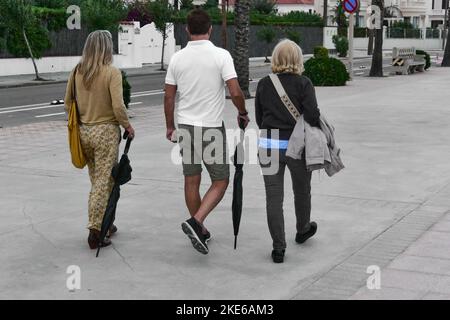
column 285, row 6
column 421, row 13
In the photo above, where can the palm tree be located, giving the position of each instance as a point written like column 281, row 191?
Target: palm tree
column 446, row 60
column 18, row 15
column 241, row 52
column 224, row 25
column 376, row 70
column 370, row 44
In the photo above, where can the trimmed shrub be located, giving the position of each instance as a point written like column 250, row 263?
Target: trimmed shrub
column 320, row 52
column 427, row 58
column 341, row 44
column 326, row 72
column 126, row 89
column 293, row 18
column 293, row 35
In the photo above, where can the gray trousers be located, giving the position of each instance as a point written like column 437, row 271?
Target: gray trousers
column 301, row 182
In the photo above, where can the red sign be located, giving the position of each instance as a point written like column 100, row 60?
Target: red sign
column 351, row 6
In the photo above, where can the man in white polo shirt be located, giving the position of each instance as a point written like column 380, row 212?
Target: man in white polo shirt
column 199, row 73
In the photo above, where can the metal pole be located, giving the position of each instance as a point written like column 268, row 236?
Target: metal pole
column 351, row 28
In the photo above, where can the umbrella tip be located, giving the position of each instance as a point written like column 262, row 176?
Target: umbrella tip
column 235, row 242
column 98, row 251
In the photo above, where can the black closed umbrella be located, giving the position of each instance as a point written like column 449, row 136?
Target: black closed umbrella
column 236, row 206
column 121, row 174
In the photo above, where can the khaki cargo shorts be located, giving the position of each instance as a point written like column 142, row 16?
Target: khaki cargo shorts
column 204, row 145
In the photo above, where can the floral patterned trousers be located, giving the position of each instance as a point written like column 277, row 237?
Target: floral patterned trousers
column 100, row 145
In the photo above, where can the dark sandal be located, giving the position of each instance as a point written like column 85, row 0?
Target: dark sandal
column 94, row 239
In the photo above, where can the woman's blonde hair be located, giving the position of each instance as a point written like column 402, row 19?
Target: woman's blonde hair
column 97, row 53
column 287, row 57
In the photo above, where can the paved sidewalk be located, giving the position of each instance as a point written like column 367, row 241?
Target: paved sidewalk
column 388, row 208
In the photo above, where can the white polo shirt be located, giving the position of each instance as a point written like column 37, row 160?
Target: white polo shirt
column 199, row 71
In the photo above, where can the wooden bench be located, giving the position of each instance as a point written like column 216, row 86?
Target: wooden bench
column 406, row 61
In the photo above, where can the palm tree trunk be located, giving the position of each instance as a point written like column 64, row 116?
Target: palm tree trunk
column 370, row 46
column 446, row 60
column 224, row 26
column 241, row 52
column 31, row 55
column 376, row 69
column 163, row 47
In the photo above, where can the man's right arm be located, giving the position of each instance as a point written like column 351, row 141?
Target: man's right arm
column 169, row 109
column 237, row 96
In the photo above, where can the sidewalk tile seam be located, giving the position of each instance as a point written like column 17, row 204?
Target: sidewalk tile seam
column 390, row 230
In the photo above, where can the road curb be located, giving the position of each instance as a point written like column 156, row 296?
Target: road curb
column 43, row 83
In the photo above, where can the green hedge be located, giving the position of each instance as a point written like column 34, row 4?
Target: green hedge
column 54, row 19
column 326, row 72
column 361, row 32
column 294, row 18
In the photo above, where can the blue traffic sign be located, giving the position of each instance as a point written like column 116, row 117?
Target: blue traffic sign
column 351, row 6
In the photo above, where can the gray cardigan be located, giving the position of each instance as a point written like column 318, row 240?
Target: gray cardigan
column 318, row 145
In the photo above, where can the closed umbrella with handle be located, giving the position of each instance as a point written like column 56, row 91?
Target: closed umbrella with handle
column 238, row 160
column 121, row 174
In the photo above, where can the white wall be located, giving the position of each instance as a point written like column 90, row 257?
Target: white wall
column 285, row 8
column 328, row 33
column 388, row 44
column 151, row 44
column 134, row 51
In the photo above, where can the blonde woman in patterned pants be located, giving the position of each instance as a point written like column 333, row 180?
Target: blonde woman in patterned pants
column 99, row 93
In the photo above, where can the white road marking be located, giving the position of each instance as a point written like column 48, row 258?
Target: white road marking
column 135, row 103
column 25, row 106
column 50, row 115
column 150, row 91
column 29, row 109
column 148, row 94
column 39, row 106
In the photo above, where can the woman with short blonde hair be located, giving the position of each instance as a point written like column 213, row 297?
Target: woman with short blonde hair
column 287, row 57
column 277, row 124
column 97, row 87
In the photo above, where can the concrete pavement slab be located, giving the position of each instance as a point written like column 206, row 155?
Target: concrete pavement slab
column 396, row 158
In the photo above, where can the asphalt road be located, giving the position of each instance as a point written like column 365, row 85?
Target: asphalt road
column 33, row 104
